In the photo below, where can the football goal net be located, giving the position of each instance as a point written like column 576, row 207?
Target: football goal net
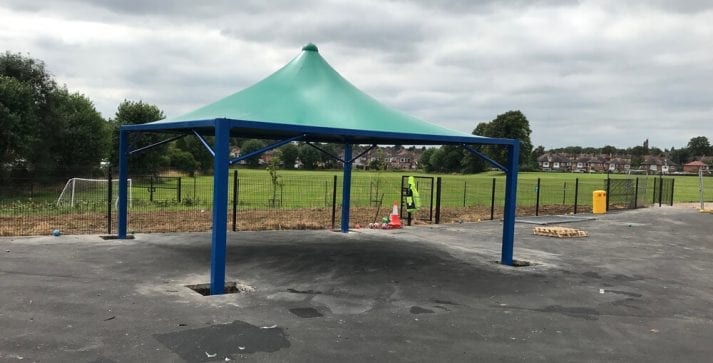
column 80, row 191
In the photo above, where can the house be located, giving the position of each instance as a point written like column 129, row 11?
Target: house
column 581, row 164
column 619, row 165
column 395, row 158
column 658, row 164
column 554, row 162
column 597, row 164
column 694, row 167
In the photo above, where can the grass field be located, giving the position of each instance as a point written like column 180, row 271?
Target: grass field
column 313, row 189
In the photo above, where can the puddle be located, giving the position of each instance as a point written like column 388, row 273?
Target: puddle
column 218, row 342
column 306, row 312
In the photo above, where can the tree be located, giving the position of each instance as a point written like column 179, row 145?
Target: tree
column 379, row 160
column 425, row 160
column 200, row 160
column 276, row 180
column 609, row 150
column 327, row 160
column 47, row 131
column 309, row 156
column 472, row 164
column 537, row 152
column 680, row 156
column 33, row 140
column 288, row 155
column 86, row 136
column 452, row 158
column 250, row 146
column 437, row 160
column 510, row 125
column 18, row 118
column 700, row 146
column 182, row 160
column 133, row 113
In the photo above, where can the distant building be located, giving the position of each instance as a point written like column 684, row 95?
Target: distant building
column 694, row 167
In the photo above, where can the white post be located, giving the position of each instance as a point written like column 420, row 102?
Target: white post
column 700, row 186
column 74, row 182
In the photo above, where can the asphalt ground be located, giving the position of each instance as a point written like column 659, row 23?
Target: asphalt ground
column 638, row 288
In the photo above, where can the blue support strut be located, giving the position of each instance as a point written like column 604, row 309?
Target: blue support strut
column 510, row 203
column 220, row 207
column 123, row 180
column 346, row 187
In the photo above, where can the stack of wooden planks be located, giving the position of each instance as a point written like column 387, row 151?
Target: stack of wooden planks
column 559, row 232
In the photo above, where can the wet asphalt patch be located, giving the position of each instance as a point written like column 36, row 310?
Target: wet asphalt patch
column 306, row 312
column 217, row 342
column 309, row 292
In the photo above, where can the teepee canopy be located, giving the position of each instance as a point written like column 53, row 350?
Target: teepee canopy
column 307, row 96
column 306, row 100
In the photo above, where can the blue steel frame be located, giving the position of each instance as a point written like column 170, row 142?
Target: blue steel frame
column 510, row 203
column 220, row 207
column 122, row 209
column 346, row 187
column 222, row 130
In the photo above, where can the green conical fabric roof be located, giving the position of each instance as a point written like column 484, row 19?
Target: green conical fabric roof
column 308, row 92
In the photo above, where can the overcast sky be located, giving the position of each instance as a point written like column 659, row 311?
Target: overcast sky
column 588, row 73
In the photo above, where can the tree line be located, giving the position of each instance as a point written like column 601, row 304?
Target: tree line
column 698, row 148
column 48, row 131
column 457, row 159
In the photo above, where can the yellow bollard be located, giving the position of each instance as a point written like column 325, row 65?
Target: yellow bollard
column 599, row 202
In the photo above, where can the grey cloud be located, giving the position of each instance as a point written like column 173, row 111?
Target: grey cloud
column 645, row 73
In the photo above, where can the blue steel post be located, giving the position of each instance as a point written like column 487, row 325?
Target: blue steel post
column 220, row 207
column 122, row 211
column 510, row 203
column 346, row 187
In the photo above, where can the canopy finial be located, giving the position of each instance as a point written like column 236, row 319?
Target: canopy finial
column 310, row 48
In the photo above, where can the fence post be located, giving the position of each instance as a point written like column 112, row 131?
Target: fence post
column 235, row 200
column 109, row 193
column 178, row 190
column 151, row 189
column 608, row 189
column 537, row 199
column 636, row 193
column 564, row 193
column 672, row 182
column 465, row 191
column 438, row 200
column 660, row 188
column 492, row 201
column 576, row 194
column 430, row 206
column 401, row 195
column 334, row 201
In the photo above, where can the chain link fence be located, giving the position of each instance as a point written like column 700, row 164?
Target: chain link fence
column 171, row 203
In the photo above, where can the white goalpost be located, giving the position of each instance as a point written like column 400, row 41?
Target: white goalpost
column 700, row 188
column 81, row 190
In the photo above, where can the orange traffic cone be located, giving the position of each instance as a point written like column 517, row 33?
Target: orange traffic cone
column 395, row 220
